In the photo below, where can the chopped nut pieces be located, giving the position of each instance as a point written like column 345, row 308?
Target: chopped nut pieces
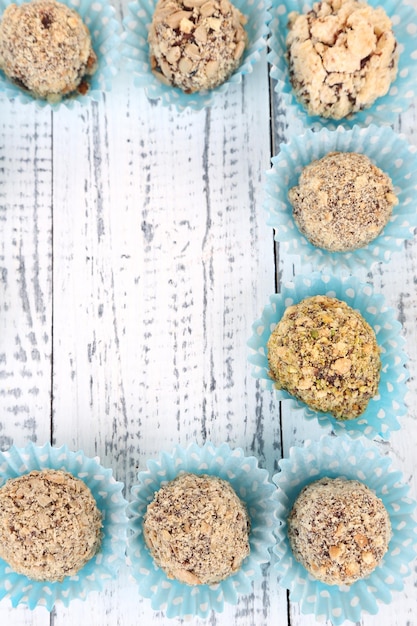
column 342, row 201
column 197, row 529
column 338, row 530
column 50, row 525
column 324, row 353
column 45, row 48
column 342, row 56
column 196, row 44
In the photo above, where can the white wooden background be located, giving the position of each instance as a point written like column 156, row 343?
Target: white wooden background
column 134, row 257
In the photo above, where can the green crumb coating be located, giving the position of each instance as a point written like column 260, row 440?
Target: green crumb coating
column 325, row 354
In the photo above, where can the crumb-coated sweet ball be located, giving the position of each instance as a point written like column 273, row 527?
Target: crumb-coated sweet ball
column 342, row 56
column 46, row 49
column 50, row 525
column 196, row 44
column 342, row 201
column 197, row 529
column 324, row 353
column 339, row 530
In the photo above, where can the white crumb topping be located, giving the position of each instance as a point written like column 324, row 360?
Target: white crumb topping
column 342, row 56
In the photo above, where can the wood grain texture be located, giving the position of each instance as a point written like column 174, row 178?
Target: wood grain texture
column 26, row 276
column 152, row 312
column 134, row 257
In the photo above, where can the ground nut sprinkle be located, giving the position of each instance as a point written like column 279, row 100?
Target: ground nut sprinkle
column 324, row 353
column 46, row 49
column 50, row 525
column 196, row 44
column 197, row 529
column 339, row 530
column 342, row 201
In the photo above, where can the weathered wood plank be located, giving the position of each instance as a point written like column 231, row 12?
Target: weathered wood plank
column 162, row 262
column 26, row 258
column 25, row 288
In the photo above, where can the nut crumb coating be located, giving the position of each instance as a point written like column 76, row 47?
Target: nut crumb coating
column 197, row 529
column 50, row 525
column 339, row 530
column 325, row 354
column 342, row 201
column 196, row 44
column 46, row 49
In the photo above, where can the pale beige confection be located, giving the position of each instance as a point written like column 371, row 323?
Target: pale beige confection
column 196, row 44
column 46, row 49
column 324, row 353
column 50, row 525
column 197, row 529
column 342, row 56
column 339, row 530
column 342, row 201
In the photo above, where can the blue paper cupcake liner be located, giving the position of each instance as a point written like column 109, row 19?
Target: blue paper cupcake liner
column 252, row 486
column 136, row 50
column 386, row 109
column 386, row 149
column 382, row 414
column 107, row 492
column 105, row 31
column 332, row 457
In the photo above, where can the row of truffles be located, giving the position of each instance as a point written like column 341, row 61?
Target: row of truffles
column 46, row 48
column 196, row 528
column 342, row 54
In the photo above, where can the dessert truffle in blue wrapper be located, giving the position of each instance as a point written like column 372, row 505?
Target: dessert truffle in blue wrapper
column 252, row 487
column 137, row 51
column 387, row 150
column 356, row 460
column 384, row 409
column 109, row 556
column 386, row 108
column 84, row 67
